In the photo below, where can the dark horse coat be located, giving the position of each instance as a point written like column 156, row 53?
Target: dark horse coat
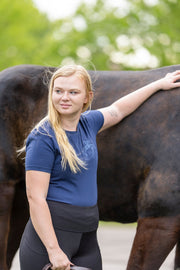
column 138, row 174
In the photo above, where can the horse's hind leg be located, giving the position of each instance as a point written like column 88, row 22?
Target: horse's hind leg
column 6, row 198
column 155, row 238
column 19, row 216
column 177, row 256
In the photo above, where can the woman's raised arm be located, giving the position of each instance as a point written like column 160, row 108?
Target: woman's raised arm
column 126, row 105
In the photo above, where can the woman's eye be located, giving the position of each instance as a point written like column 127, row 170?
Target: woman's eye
column 73, row 92
column 59, row 91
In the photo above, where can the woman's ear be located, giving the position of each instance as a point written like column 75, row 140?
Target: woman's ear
column 88, row 97
column 91, row 94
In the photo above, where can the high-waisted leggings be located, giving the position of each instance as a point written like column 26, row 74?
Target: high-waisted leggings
column 81, row 248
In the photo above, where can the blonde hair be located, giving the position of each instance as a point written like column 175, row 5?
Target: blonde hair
column 68, row 153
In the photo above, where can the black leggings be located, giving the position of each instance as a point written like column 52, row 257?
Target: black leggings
column 81, row 248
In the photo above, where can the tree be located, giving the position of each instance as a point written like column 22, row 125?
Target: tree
column 139, row 34
column 135, row 35
column 24, row 32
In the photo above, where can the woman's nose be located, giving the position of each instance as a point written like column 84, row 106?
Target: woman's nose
column 65, row 95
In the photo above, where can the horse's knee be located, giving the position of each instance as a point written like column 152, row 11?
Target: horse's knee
column 7, row 193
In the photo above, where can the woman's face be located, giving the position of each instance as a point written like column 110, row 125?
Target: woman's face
column 69, row 95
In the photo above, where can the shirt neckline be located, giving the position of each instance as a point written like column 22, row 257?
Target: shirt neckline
column 73, row 131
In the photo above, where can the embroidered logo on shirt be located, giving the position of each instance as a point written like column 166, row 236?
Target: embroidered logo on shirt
column 88, row 151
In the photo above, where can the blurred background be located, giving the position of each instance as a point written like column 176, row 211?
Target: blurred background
column 105, row 34
column 109, row 34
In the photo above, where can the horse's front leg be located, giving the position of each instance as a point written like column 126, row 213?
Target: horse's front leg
column 155, row 238
column 19, row 218
column 177, row 256
column 6, row 198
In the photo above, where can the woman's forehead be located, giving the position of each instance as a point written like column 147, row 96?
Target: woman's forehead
column 72, row 81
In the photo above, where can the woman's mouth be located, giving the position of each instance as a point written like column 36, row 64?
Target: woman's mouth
column 65, row 106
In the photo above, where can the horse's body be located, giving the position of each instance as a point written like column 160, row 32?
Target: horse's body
column 139, row 172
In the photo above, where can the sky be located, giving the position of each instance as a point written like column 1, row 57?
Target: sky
column 57, row 9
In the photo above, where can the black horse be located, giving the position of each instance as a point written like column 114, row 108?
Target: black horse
column 138, row 174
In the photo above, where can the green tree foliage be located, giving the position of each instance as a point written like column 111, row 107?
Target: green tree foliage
column 24, row 32
column 138, row 34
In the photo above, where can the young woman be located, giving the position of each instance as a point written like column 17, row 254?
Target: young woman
column 61, row 166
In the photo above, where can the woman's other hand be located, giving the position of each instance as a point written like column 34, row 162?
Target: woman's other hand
column 59, row 260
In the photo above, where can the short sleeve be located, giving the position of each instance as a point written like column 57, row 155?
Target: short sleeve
column 95, row 119
column 40, row 153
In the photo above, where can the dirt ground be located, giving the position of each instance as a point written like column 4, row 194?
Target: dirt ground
column 115, row 243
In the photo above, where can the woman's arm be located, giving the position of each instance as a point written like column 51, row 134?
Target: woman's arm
column 124, row 106
column 37, row 184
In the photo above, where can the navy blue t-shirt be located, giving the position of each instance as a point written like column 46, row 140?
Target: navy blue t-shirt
column 43, row 154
